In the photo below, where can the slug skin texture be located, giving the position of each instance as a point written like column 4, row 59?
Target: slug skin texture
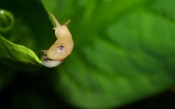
column 61, row 48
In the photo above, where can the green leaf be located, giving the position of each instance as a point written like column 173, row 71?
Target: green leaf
column 17, row 52
column 164, row 8
column 124, row 51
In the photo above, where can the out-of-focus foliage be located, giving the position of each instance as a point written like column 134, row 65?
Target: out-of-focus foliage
column 6, row 76
column 19, row 32
column 123, row 51
column 34, row 100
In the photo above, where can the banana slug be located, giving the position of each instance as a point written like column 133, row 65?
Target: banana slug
column 61, row 48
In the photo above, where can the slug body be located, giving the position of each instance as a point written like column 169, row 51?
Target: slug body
column 61, row 48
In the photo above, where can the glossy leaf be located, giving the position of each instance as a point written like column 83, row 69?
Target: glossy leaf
column 123, row 52
column 17, row 52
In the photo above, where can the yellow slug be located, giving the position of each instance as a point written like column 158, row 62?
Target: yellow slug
column 61, row 48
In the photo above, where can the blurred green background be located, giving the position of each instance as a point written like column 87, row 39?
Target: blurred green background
column 123, row 55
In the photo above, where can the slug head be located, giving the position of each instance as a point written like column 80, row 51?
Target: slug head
column 62, row 31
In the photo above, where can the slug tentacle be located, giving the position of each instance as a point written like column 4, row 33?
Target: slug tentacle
column 55, row 20
column 62, row 47
column 67, row 22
